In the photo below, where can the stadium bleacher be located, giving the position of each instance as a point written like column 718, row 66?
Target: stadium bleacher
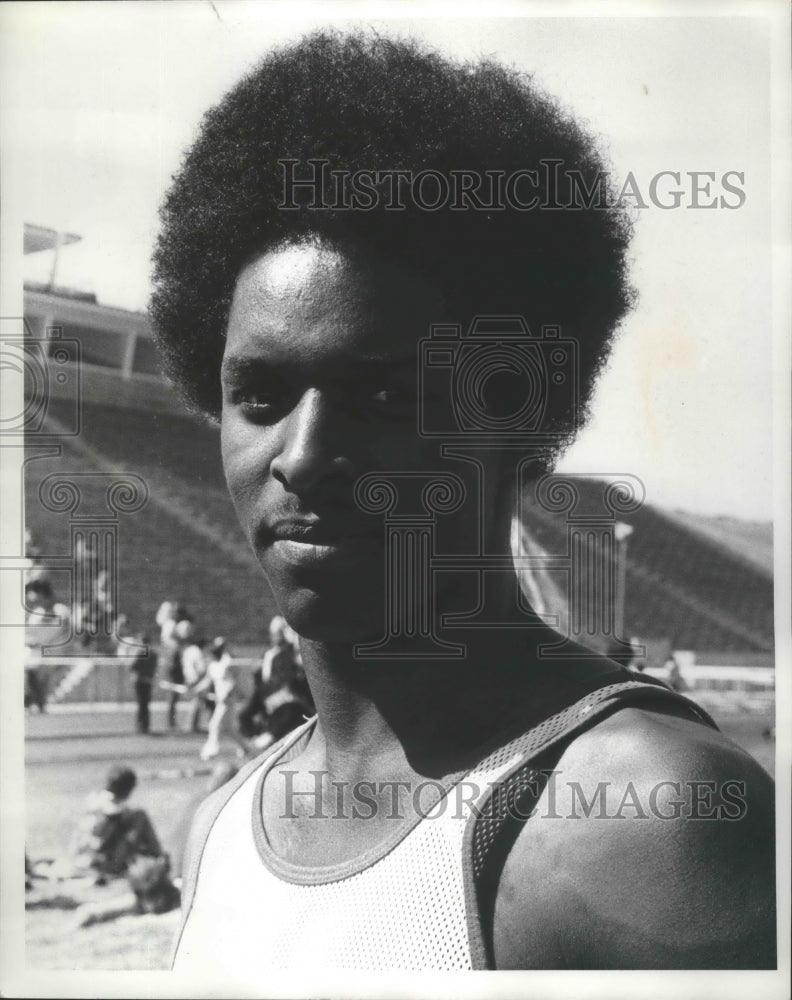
column 681, row 583
column 185, row 544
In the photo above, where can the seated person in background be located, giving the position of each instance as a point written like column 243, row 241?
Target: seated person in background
column 110, row 835
column 281, row 699
column 151, row 892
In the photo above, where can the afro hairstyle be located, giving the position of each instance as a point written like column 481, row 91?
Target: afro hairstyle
column 364, row 102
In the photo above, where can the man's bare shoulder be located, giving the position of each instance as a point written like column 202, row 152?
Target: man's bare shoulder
column 651, row 847
column 633, row 742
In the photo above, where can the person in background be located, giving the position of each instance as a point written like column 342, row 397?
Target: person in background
column 638, row 662
column 92, row 612
column 143, row 668
column 281, row 661
column 32, row 550
column 278, row 662
column 176, row 629
column 165, row 618
column 175, row 683
column 169, row 656
column 150, row 891
column 104, row 612
column 36, row 571
column 110, row 835
column 47, row 623
column 675, row 680
column 193, row 664
column 221, row 678
column 169, row 614
column 281, row 699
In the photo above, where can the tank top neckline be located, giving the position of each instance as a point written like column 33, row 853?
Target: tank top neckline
column 289, row 871
column 298, row 874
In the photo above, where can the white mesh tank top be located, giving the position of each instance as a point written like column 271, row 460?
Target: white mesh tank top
column 413, row 903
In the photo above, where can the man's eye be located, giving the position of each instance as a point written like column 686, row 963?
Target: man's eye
column 255, row 401
column 256, row 404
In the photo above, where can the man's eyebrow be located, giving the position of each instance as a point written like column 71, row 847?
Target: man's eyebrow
column 235, row 365
column 240, row 366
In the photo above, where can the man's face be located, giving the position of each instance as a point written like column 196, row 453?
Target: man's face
column 319, row 387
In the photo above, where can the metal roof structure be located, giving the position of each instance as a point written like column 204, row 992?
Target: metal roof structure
column 38, row 238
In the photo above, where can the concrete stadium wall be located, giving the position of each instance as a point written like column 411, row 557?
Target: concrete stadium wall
column 108, row 679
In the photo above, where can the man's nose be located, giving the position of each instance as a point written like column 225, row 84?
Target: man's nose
column 314, row 445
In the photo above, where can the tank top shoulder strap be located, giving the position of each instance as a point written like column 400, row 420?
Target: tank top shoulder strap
column 493, row 826
column 207, row 814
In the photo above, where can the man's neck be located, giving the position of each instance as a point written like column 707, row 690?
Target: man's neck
column 425, row 715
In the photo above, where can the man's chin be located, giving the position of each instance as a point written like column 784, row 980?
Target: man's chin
column 316, row 629
column 344, row 617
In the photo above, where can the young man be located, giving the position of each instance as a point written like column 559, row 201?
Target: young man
column 441, row 811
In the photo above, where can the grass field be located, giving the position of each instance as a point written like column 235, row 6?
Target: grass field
column 134, row 942
column 67, row 756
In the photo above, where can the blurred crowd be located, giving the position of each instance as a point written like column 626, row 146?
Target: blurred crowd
column 85, row 623
column 115, row 864
column 254, row 711
column 253, row 708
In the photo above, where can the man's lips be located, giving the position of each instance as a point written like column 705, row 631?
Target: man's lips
column 345, row 552
column 320, row 532
column 314, row 542
column 317, row 543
